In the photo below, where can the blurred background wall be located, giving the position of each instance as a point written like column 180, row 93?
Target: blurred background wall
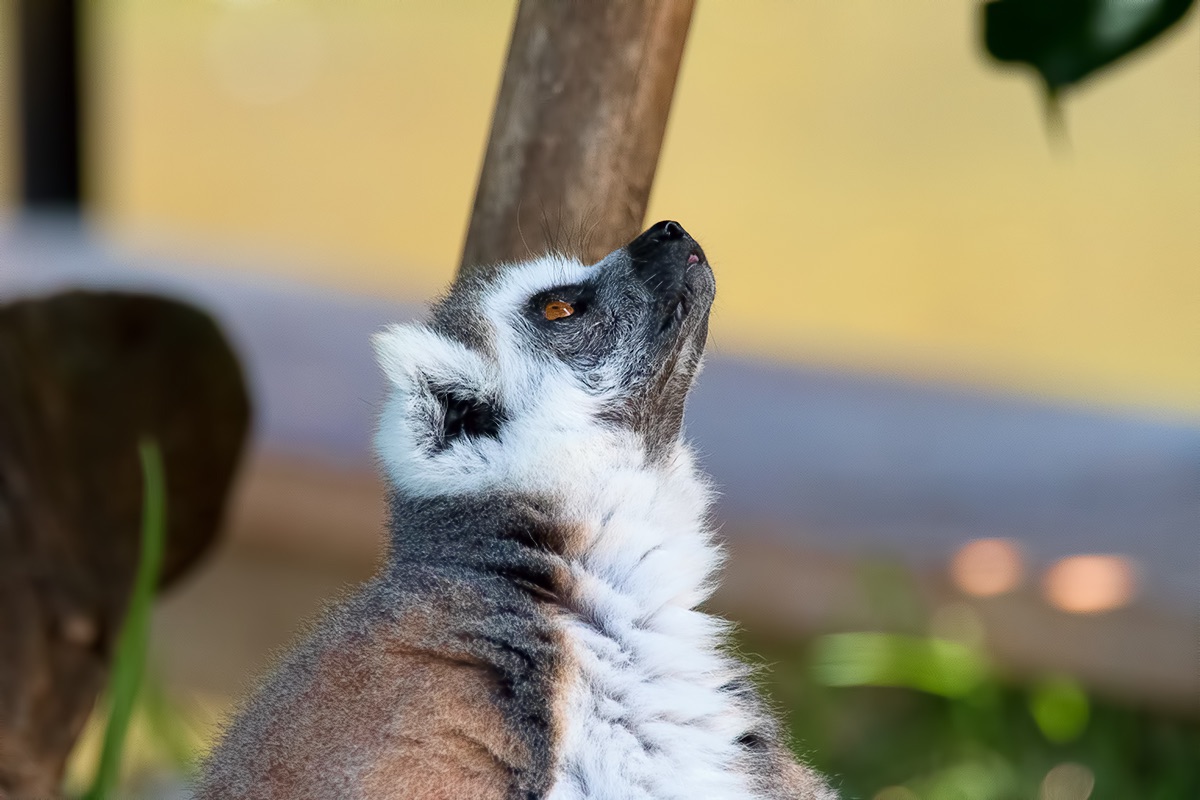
column 874, row 194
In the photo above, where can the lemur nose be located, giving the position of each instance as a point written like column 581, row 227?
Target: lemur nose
column 662, row 240
column 666, row 230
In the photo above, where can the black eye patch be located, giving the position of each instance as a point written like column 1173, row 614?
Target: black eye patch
column 466, row 416
column 579, row 298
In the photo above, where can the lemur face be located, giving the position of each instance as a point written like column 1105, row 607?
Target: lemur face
column 546, row 359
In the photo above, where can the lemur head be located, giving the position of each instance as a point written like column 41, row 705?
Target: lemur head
column 528, row 372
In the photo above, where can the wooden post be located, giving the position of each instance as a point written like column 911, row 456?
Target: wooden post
column 577, row 129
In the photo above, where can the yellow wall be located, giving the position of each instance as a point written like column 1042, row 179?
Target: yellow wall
column 872, row 193
column 8, row 178
column 885, row 198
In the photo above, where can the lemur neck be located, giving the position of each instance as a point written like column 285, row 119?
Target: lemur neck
column 647, row 704
column 646, row 538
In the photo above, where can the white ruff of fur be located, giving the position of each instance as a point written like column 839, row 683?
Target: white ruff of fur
column 645, row 714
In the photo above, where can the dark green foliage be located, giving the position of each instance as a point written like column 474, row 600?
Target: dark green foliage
column 1067, row 40
column 881, row 709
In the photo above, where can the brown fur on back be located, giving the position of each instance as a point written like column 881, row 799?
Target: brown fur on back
column 383, row 708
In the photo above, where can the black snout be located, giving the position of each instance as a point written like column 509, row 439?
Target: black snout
column 665, row 245
column 674, row 272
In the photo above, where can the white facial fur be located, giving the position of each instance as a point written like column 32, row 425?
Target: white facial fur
column 553, row 435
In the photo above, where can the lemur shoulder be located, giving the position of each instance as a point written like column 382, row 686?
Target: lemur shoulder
column 534, row 632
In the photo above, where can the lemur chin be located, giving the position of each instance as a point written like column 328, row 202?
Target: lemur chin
column 533, row 632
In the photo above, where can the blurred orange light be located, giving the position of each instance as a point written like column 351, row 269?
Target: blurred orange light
column 1090, row 584
column 987, row 567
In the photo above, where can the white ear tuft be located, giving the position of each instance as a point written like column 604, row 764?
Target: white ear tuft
column 394, row 348
column 417, row 362
column 409, row 354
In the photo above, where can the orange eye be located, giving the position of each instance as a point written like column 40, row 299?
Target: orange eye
column 557, row 309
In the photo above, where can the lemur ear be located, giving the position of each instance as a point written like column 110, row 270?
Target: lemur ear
column 466, row 416
column 412, row 355
column 446, row 390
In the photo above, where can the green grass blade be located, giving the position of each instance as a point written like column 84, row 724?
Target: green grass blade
column 130, row 661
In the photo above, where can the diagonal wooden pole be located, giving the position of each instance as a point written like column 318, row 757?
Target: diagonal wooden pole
column 577, row 129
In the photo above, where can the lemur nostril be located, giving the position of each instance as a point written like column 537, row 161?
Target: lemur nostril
column 663, row 244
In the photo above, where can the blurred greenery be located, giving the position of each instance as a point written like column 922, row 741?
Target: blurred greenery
column 913, row 711
column 130, row 660
column 168, row 731
column 900, row 715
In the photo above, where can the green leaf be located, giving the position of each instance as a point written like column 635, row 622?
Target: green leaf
column 1067, row 40
column 130, row 662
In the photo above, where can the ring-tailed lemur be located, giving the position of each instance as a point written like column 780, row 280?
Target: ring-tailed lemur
column 534, row 632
